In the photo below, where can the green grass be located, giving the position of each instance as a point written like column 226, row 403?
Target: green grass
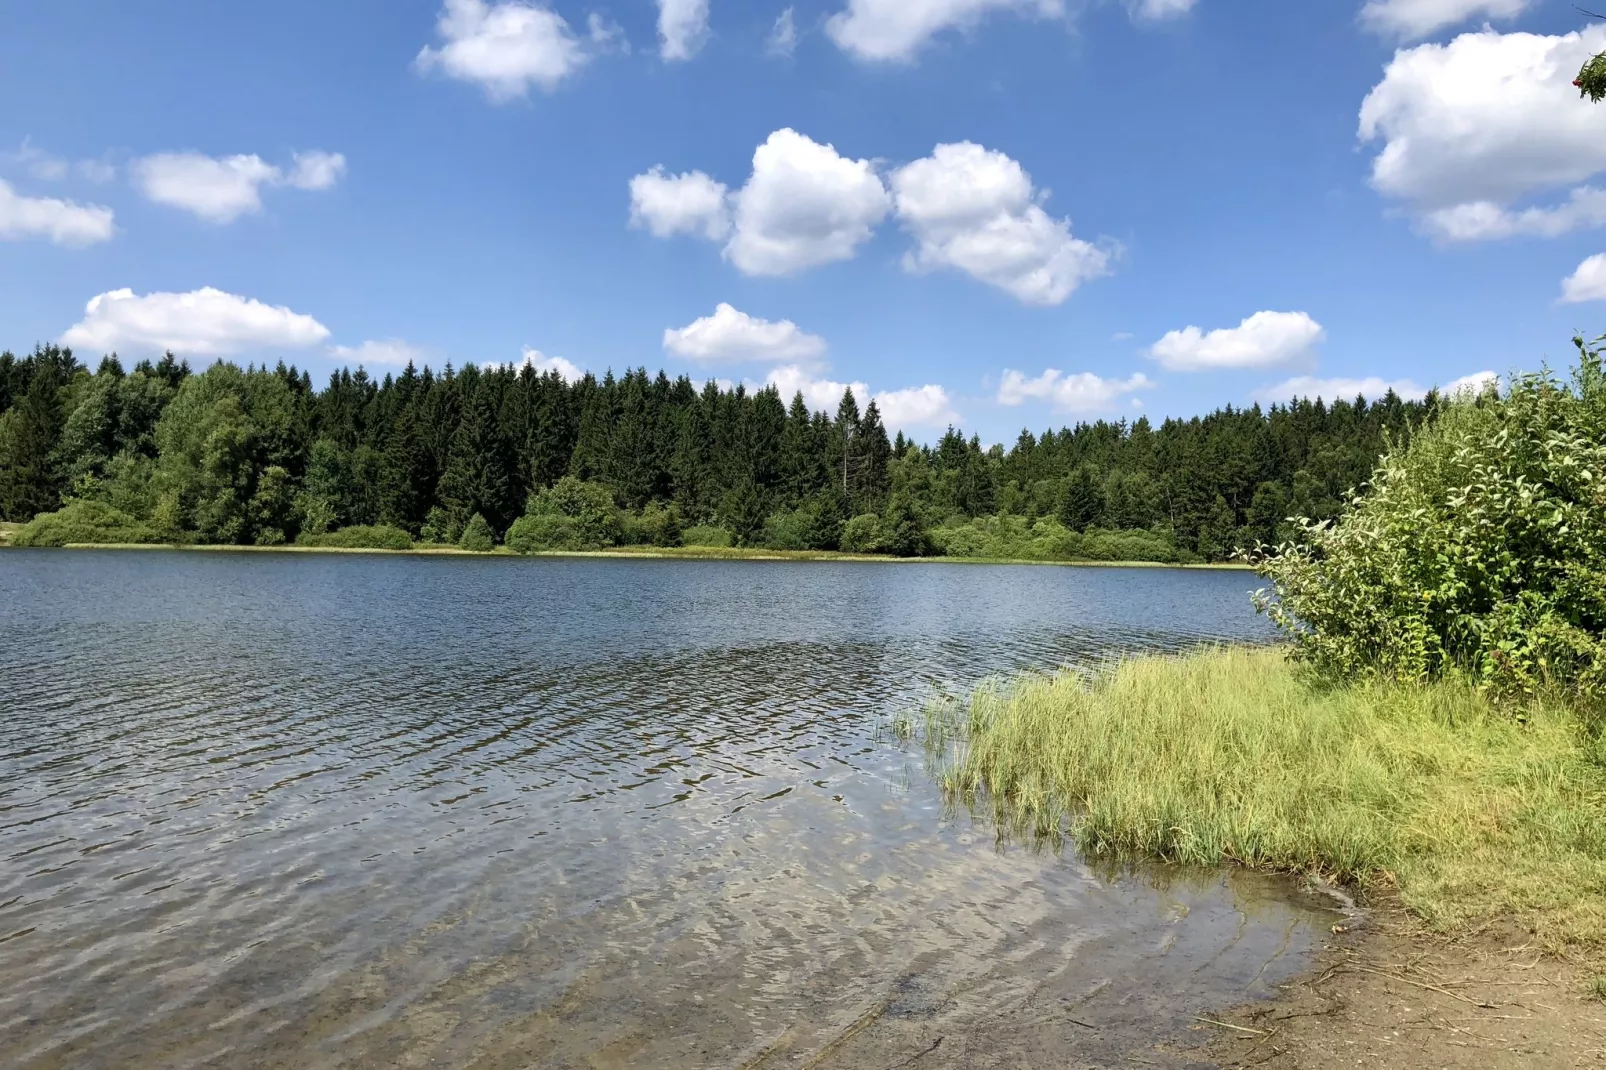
column 1236, row 756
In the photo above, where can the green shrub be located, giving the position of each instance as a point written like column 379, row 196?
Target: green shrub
column 863, row 535
column 360, row 537
column 536, row 532
column 440, row 529
column 710, row 535
column 1481, row 546
column 655, row 525
column 83, row 522
column 592, row 519
column 477, row 536
column 1015, row 538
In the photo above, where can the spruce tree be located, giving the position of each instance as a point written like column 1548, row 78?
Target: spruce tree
column 29, row 433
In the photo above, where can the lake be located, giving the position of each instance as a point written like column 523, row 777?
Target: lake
column 304, row 810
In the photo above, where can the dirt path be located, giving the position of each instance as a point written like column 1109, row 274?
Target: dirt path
column 1388, row 994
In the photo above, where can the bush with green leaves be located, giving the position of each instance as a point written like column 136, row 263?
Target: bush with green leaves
column 864, row 535
column 706, row 535
column 83, row 523
column 477, row 536
column 360, row 537
column 1480, row 547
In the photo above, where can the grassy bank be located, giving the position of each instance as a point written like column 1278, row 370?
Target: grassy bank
column 1235, row 756
column 690, row 553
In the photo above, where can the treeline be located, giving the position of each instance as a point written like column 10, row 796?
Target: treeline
column 260, row 456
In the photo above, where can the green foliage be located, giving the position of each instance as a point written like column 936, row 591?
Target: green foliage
column 360, row 537
column 709, row 535
column 1015, row 538
column 439, row 529
column 572, row 514
column 478, row 536
column 1480, row 547
column 864, row 535
column 83, row 523
column 259, row 456
column 903, row 529
column 1236, row 756
column 1591, row 80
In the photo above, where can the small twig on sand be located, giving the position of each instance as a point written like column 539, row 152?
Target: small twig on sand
column 1420, row 984
column 1229, row 1025
column 935, row 1044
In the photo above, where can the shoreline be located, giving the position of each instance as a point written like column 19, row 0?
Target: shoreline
column 1386, row 991
column 660, row 553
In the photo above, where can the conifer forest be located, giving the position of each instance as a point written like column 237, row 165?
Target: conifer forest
column 479, row 456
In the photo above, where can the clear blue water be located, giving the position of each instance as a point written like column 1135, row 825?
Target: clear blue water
column 305, row 810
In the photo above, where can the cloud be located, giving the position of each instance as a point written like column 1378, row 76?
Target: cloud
column 690, row 203
column 385, row 352
column 782, row 41
column 976, row 210
column 920, row 406
column 682, row 28
column 896, row 30
column 804, row 205
column 1472, row 126
column 62, row 222
column 916, row 406
column 221, row 189
column 729, row 336
column 1338, row 389
column 1160, row 10
column 1412, row 20
column 819, row 393
column 503, row 47
column 201, row 323
column 1264, row 340
column 1587, row 283
column 316, row 170
column 567, row 370
column 1079, row 392
column 1476, row 383
column 1485, row 220
column 606, row 35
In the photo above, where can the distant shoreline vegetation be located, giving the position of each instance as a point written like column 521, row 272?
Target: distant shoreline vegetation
column 503, row 457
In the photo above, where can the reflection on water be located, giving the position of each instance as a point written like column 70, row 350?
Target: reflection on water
column 264, row 810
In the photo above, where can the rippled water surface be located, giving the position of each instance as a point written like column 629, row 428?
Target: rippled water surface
column 298, row 810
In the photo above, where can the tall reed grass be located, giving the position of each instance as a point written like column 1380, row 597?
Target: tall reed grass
column 1238, row 756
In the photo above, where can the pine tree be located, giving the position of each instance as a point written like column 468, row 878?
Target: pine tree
column 29, row 433
column 1082, row 505
column 478, row 476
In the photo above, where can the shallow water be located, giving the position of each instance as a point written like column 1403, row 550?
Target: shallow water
column 261, row 810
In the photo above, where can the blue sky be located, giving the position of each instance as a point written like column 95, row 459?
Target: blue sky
column 996, row 212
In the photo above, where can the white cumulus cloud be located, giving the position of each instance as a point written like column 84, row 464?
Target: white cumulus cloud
column 1077, row 392
column 62, row 222
column 202, row 323
column 976, row 210
column 916, row 406
column 682, row 28
column 912, row 407
column 1471, row 127
column 804, row 205
column 1476, row 383
column 1264, row 340
column 1587, row 283
column 896, row 30
column 690, row 203
column 504, row 48
column 1411, row 20
column 382, row 352
column 730, row 336
column 567, row 370
column 221, row 189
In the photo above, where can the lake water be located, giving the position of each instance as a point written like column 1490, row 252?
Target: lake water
column 304, row 810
